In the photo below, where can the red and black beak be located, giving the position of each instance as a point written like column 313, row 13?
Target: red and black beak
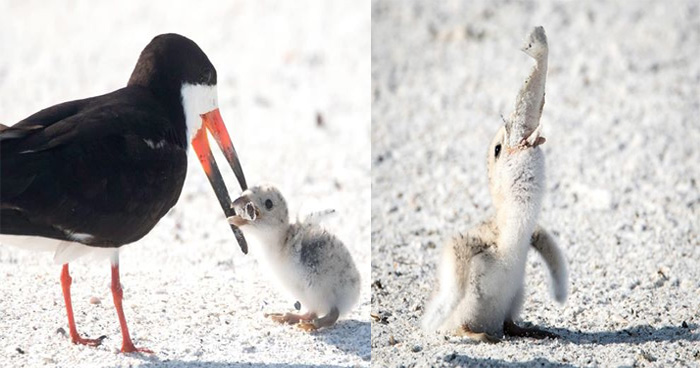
column 213, row 122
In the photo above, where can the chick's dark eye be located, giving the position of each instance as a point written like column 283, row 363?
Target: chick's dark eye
column 497, row 150
column 268, row 204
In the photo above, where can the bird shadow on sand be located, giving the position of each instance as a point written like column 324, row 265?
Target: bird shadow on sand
column 349, row 336
column 632, row 335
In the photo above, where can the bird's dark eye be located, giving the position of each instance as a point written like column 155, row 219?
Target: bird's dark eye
column 497, row 150
column 205, row 77
column 268, row 204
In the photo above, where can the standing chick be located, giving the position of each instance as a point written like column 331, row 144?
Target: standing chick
column 310, row 263
column 481, row 276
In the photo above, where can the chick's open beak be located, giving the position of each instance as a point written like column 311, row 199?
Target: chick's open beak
column 245, row 212
column 532, row 140
column 535, row 138
column 213, row 122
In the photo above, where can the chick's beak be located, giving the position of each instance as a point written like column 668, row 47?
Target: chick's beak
column 245, row 212
column 532, row 140
column 535, row 139
column 236, row 220
column 213, row 122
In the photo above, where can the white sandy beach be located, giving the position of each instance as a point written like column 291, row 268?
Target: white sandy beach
column 190, row 294
column 623, row 164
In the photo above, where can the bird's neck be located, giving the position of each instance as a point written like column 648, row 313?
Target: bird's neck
column 516, row 219
column 169, row 98
column 271, row 241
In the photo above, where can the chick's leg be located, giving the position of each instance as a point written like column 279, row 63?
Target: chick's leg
column 477, row 336
column 325, row 321
column 290, row 318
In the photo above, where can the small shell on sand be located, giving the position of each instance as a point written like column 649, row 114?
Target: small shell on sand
column 95, row 300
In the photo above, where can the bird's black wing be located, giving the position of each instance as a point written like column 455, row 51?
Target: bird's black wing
column 24, row 136
column 108, row 167
column 42, row 119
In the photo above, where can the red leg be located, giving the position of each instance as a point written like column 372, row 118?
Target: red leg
column 127, row 344
column 65, row 285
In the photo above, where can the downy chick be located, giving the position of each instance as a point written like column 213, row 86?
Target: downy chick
column 311, row 264
column 481, row 273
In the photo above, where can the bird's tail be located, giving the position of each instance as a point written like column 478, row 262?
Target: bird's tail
column 437, row 311
column 448, row 295
column 554, row 258
column 15, row 222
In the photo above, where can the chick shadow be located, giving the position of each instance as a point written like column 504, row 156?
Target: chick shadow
column 349, row 336
column 633, row 335
column 466, row 361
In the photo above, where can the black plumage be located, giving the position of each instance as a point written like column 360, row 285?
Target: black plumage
column 91, row 166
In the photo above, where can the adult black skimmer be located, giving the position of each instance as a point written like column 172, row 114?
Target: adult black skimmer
column 99, row 173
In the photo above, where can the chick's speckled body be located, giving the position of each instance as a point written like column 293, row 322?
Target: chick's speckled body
column 310, row 263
